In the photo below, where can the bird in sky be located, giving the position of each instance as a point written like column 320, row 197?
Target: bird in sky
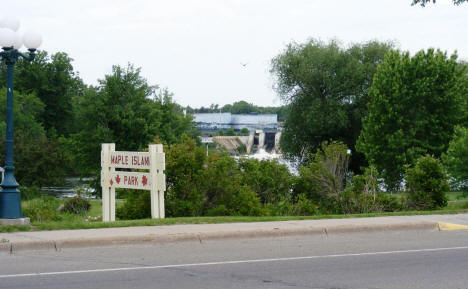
column 244, row 64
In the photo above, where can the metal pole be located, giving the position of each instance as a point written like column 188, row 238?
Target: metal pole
column 10, row 202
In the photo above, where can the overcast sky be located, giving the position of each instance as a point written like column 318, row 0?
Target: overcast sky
column 195, row 47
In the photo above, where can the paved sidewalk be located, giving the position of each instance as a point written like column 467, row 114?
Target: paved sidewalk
column 109, row 236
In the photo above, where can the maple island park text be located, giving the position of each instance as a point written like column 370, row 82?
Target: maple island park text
column 130, row 160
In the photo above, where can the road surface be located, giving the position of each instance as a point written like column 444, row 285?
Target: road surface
column 389, row 259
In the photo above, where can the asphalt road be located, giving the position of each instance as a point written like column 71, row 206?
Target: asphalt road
column 393, row 259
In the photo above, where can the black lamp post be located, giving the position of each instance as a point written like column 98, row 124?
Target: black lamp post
column 11, row 41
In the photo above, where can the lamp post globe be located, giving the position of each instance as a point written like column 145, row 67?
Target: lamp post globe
column 11, row 41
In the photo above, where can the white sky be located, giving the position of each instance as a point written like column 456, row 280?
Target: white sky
column 195, row 47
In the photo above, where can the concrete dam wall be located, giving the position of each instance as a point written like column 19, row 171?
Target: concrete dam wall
column 269, row 141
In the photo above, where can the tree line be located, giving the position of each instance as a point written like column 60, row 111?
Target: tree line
column 387, row 106
column 402, row 116
column 241, row 107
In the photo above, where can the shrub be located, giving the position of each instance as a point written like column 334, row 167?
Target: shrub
column 324, row 175
column 191, row 206
column 42, row 209
column 304, row 206
column 220, row 210
column 76, row 206
column 137, row 206
column 426, row 184
column 246, row 203
column 271, row 180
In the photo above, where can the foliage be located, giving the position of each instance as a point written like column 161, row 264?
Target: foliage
column 427, row 184
column 424, row 2
column 124, row 109
column 323, row 177
column 245, row 203
column 42, row 209
column 326, row 89
column 184, row 167
column 29, row 193
column 363, row 195
column 456, row 158
column 137, row 206
column 230, row 132
column 242, row 149
column 415, row 104
column 26, row 111
column 53, row 81
column 303, row 207
column 39, row 161
column 241, row 107
column 324, row 174
column 269, row 179
column 77, row 206
column 244, row 131
column 221, row 180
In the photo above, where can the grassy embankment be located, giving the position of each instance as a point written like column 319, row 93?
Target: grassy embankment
column 456, row 205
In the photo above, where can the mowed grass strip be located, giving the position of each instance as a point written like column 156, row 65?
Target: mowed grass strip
column 72, row 222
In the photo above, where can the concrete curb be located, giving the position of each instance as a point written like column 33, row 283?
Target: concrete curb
column 56, row 245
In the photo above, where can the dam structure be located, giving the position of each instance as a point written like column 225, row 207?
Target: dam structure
column 263, row 131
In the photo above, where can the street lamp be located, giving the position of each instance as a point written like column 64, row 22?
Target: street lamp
column 11, row 41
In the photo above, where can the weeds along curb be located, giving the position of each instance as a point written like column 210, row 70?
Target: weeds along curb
column 57, row 245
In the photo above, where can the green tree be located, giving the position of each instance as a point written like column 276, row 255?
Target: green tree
column 124, row 109
column 424, row 2
column 325, row 87
column 39, row 161
column 456, row 158
column 54, row 81
column 415, row 104
column 242, row 107
column 26, row 110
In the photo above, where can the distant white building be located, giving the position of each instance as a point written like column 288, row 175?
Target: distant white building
column 225, row 120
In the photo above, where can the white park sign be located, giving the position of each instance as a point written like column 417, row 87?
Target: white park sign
column 153, row 180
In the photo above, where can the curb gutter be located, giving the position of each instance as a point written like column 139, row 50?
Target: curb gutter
column 56, row 245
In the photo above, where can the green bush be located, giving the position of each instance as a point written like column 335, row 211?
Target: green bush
column 323, row 176
column 137, row 206
column 246, row 203
column 42, row 209
column 271, row 180
column 220, row 210
column 304, row 207
column 283, row 207
column 426, row 184
column 77, row 206
column 191, row 207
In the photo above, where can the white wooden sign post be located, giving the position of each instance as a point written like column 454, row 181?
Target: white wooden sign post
column 153, row 180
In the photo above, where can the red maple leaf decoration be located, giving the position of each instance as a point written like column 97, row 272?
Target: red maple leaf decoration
column 145, row 180
column 117, row 179
column 111, row 182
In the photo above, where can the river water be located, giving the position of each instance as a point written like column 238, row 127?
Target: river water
column 261, row 154
column 70, row 189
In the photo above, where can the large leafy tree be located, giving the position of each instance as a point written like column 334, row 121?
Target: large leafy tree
column 53, row 80
column 456, row 158
column 326, row 89
column 39, row 161
column 415, row 102
column 126, row 110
